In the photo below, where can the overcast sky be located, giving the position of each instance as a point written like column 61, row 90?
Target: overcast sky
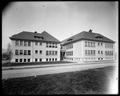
column 60, row 19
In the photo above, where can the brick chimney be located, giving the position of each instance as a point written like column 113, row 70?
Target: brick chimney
column 35, row 32
column 90, row 31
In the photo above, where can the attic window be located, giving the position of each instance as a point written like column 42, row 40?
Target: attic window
column 98, row 37
column 39, row 37
column 69, row 39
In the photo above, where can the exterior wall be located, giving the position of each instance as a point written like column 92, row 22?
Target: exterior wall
column 78, row 51
column 80, row 56
column 33, row 55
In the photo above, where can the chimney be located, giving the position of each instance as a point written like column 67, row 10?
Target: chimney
column 35, row 32
column 90, row 31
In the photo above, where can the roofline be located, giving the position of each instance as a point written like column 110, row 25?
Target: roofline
column 33, row 40
column 89, row 40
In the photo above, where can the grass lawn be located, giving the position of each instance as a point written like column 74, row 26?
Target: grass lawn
column 93, row 81
column 33, row 63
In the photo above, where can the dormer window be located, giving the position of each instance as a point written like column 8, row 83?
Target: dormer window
column 39, row 37
column 69, row 39
column 99, row 37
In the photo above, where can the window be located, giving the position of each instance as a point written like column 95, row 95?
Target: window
column 40, row 51
column 69, row 46
column 25, row 43
column 88, row 52
column 46, row 59
column 85, row 52
column 88, row 44
column 98, row 52
column 29, row 52
column 69, row 53
column 98, row 43
column 16, row 52
column 55, row 45
column 16, row 43
column 93, row 44
column 21, row 52
column 55, row 52
column 35, row 59
column 94, row 52
column 49, row 59
column 24, row 60
column 16, row 60
column 20, row 60
column 101, row 52
column 46, row 44
column 40, row 43
column 52, row 52
column 36, row 43
column 101, row 44
column 49, row 52
column 46, row 52
column 36, row 51
column 55, row 59
column 25, row 52
column 28, row 60
column 85, row 43
column 40, row 59
column 29, row 43
column 21, row 43
column 52, row 59
column 50, row 45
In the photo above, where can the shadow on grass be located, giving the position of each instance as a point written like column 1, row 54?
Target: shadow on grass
column 93, row 81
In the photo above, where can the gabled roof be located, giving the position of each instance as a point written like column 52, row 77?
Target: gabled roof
column 84, row 35
column 33, row 36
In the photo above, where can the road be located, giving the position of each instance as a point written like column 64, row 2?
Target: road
column 50, row 69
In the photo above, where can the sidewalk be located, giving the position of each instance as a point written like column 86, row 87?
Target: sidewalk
column 52, row 65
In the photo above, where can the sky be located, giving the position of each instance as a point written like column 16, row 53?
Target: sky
column 60, row 19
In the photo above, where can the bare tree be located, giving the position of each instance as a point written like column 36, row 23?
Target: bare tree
column 9, row 52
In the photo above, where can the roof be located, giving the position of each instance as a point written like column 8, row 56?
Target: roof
column 84, row 35
column 34, row 36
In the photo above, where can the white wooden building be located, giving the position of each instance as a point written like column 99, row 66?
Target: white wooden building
column 35, row 47
column 88, row 46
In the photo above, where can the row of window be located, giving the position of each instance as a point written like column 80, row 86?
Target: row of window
column 28, row 43
column 69, row 53
column 51, row 59
column 69, row 46
column 108, row 45
column 51, row 45
column 92, row 44
column 22, row 52
column 36, row 59
column 89, row 44
column 22, row 43
column 100, row 52
column 38, row 43
column 89, row 52
column 51, row 52
column 38, row 51
column 108, row 53
column 22, row 60
column 90, row 58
